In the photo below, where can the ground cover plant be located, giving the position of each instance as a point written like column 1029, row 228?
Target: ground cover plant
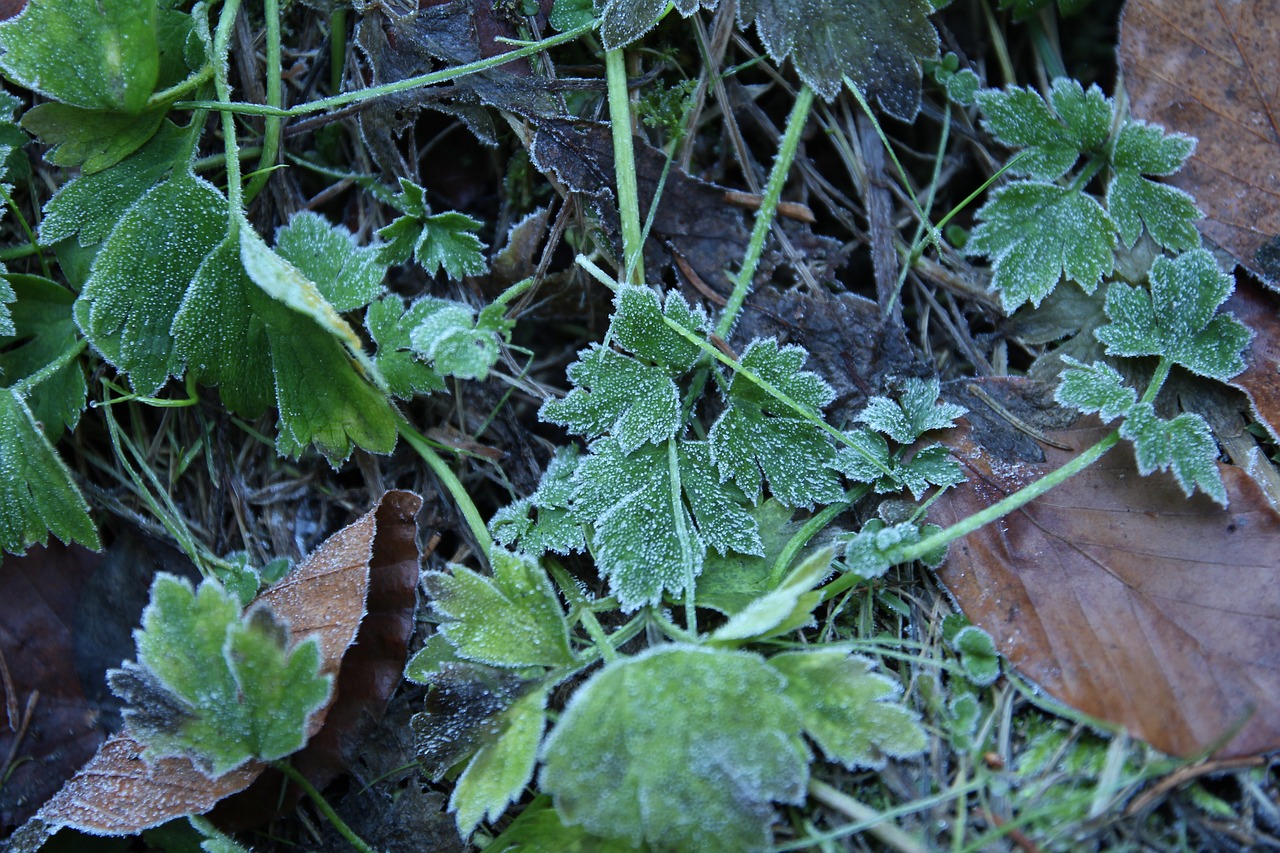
column 738, row 404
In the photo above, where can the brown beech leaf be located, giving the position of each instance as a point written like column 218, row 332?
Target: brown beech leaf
column 1208, row 69
column 1260, row 311
column 117, row 793
column 1124, row 599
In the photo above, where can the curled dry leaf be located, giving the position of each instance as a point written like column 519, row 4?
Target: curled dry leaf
column 1124, row 599
column 1259, row 310
column 117, row 793
column 1208, row 69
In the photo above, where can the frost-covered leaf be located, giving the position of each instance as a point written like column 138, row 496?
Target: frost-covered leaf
column 441, row 240
column 349, row 276
column 730, row 582
column 96, row 54
column 645, row 541
column 1183, row 445
column 978, row 655
column 464, row 711
column 878, row 546
column 633, row 758
column 91, row 139
column 543, row 522
column 220, row 337
column 44, row 330
column 92, row 205
column 783, row 609
column 1051, row 134
column 638, row 327
column 851, row 712
column 1179, row 318
column 915, row 412
column 497, row 774
column 141, row 273
column 877, row 45
column 390, row 326
column 1036, row 233
column 37, row 493
column 513, row 618
column 1095, row 388
column 718, row 507
column 1133, row 200
column 753, row 438
column 615, row 394
column 214, row 685
column 456, row 343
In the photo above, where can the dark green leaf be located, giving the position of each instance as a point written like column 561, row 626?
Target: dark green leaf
column 45, row 330
column 92, row 139
column 390, row 326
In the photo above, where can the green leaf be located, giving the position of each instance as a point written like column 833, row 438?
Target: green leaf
column 978, row 655
column 390, row 326
column 141, row 273
column 44, row 330
column 731, row 582
column 783, row 609
column 92, row 205
column 498, row 773
column 717, row 507
column 878, row 546
column 632, row 758
column 542, row 522
column 511, row 619
column 436, row 241
column 215, row 685
column 1036, row 233
column 615, row 394
column 37, row 493
column 876, row 45
column 348, row 276
column 570, row 14
column 1095, row 388
column 95, row 54
column 638, row 325
column 748, row 440
column 538, row 829
column 92, row 139
column 1178, row 319
column 448, row 335
column 851, row 712
column 1052, row 135
column 1183, row 445
column 1133, row 201
column 464, row 712
column 914, row 413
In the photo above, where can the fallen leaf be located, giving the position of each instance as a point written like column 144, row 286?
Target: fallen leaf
column 1208, row 69
column 1259, row 310
column 117, row 793
column 1124, row 599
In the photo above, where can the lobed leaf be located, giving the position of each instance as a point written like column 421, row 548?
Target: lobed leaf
column 1052, row 134
column 391, row 325
column 783, row 609
column 498, row 773
column 1133, row 200
column 348, row 275
column 915, row 412
column 448, row 335
column 1038, row 232
column 543, row 521
column 37, row 493
column 621, row 764
column 1095, row 388
column 851, row 712
column 94, row 140
column 463, row 712
column 1183, row 445
column 638, row 325
column 44, row 329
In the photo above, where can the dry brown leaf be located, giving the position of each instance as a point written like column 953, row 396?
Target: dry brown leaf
column 1209, row 69
column 1125, row 600
column 119, row 794
column 1260, row 311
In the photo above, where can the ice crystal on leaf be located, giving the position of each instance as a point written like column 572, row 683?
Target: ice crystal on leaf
column 435, row 240
column 1052, row 134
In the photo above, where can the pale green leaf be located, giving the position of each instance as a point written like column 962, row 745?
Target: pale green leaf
column 464, row 712
column 730, row 582
column 851, row 712
column 542, row 522
column 1133, row 200
column 38, row 495
column 639, row 326
column 390, row 326
column 916, row 411
column 92, row 139
column 723, row 521
column 44, row 330
column 1183, row 445
column 216, row 685
column 513, row 618
column 1038, row 232
column 978, row 655
column 128, row 305
column 1095, row 388
column 615, row 394
column 1052, row 135
column 347, row 275
column 497, row 774
column 538, row 829
column 878, row 546
column 632, row 758
column 96, row 54
column 783, row 609
column 448, row 335
column 437, row 241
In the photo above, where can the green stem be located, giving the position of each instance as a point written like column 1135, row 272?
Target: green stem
column 323, row 805
column 221, row 44
column 624, row 164
column 451, row 483
column 68, row 355
column 271, row 125
column 682, row 533
column 768, row 207
column 166, row 97
column 368, row 94
column 582, row 608
column 337, row 48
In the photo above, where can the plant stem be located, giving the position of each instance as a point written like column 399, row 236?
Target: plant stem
column 221, row 44
column 442, row 76
column 876, row 823
column 323, row 805
column 337, row 48
column 768, row 206
column 582, row 608
column 271, row 125
column 68, row 355
column 624, row 165
column 451, row 483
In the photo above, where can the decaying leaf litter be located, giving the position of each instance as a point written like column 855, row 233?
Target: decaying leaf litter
column 854, row 311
